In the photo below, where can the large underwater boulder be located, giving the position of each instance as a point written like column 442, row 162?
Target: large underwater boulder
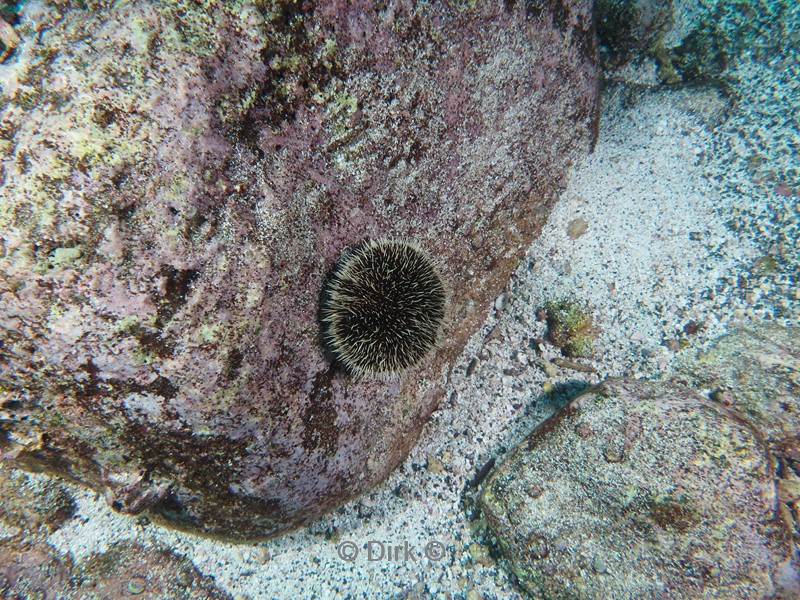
column 640, row 489
column 176, row 182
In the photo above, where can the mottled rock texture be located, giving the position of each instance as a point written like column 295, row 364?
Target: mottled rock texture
column 694, row 40
column 643, row 490
column 756, row 370
column 628, row 28
column 32, row 507
column 178, row 177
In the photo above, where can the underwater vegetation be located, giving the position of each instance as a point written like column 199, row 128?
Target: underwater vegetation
column 570, row 327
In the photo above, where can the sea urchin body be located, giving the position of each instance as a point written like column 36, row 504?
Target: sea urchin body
column 381, row 307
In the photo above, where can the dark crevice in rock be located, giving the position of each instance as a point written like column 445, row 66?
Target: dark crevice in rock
column 177, row 284
column 113, row 388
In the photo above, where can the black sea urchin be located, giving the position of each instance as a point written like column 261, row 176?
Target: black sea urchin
column 381, row 307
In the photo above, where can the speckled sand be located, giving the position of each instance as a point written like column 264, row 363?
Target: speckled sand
column 656, row 255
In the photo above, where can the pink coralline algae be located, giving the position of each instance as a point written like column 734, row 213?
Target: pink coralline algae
column 176, row 183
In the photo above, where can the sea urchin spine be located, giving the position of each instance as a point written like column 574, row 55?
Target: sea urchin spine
column 381, row 307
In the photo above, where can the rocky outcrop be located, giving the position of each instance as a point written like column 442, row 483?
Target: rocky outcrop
column 643, row 490
column 756, row 371
column 33, row 507
column 176, row 182
column 692, row 41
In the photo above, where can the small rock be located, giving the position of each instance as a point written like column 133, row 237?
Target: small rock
column 577, row 227
column 136, row 585
column 546, row 366
column 500, row 302
column 479, row 554
column 600, row 565
column 435, row 466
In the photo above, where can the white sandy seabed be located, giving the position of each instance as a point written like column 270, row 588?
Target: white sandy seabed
column 668, row 177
